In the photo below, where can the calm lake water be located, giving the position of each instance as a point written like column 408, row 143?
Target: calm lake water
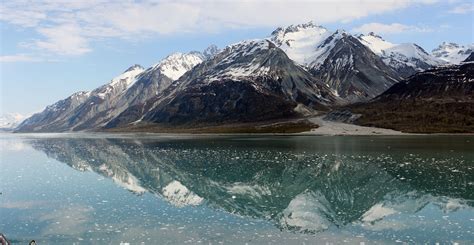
column 237, row 189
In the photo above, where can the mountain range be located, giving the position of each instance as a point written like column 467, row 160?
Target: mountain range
column 296, row 71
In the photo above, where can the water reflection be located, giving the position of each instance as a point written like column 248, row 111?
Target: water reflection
column 298, row 185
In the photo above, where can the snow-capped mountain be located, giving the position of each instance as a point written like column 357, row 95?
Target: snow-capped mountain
column 81, row 110
column 335, row 58
column 175, row 65
column 405, row 58
column 251, row 80
column 297, row 70
column 301, row 42
column 135, row 85
column 452, row 53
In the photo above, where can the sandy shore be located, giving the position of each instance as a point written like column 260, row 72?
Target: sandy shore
column 338, row 128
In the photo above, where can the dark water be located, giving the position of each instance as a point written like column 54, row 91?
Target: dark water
column 237, row 190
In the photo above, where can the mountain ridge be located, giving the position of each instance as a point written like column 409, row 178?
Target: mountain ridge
column 297, row 71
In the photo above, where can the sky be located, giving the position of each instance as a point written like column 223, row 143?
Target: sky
column 52, row 48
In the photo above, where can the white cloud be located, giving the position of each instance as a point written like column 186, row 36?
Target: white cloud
column 462, row 9
column 65, row 39
column 18, row 58
column 393, row 28
column 67, row 27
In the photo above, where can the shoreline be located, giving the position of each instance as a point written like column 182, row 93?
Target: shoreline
column 317, row 127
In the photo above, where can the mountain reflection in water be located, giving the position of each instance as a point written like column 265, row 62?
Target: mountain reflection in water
column 298, row 185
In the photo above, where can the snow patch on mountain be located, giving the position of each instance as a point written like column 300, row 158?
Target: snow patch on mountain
column 128, row 78
column 375, row 43
column 452, row 52
column 175, row 65
column 75, row 100
column 409, row 54
column 300, row 42
column 237, row 70
column 401, row 55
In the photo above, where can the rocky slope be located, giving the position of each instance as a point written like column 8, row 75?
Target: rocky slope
column 436, row 100
column 351, row 70
column 51, row 118
column 91, row 110
column 249, row 81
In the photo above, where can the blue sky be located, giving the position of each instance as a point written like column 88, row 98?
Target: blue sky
column 53, row 48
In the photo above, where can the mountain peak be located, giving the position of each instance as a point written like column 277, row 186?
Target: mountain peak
column 208, row 53
column 298, row 28
column 372, row 34
column 11, row 120
column 300, row 41
column 211, row 51
column 449, row 44
column 134, row 67
column 251, row 43
column 452, row 52
column 176, row 64
column 341, row 32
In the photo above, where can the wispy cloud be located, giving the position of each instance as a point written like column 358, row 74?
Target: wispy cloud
column 393, row 28
column 18, row 58
column 68, row 27
column 64, row 39
column 462, row 9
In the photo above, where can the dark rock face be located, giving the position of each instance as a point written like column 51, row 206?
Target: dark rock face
column 223, row 101
column 442, row 83
column 437, row 100
column 470, row 58
column 353, row 70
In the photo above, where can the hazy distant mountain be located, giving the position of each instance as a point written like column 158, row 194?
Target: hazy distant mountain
column 452, row 53
column 10, row 121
